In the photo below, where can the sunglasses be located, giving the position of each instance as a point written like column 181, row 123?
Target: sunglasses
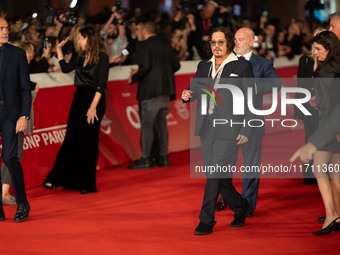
column 214, row 43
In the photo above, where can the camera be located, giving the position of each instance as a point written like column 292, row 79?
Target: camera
column 120, row 9
column 69, row 15
column 189, row 6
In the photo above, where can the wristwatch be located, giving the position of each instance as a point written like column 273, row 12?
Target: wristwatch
column 25, row 117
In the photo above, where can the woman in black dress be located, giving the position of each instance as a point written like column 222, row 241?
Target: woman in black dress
column 327, row 160
column 75, row 165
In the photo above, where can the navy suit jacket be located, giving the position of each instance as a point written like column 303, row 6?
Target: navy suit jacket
column 15, row 82
column 240, row 68
column 266, row 78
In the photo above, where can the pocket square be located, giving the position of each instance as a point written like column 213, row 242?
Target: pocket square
column 233, row 75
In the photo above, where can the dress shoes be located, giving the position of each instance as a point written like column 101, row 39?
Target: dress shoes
column 252, row 214
column 220, row 205
column 240, row 218
column 22, row 212
column 321, row 219
column 331, row 227
column 203, row 229
column 2, row 215
column 163, row 161
column 49, row 186
column 143, row 163
column 88, row 191
column 10, row 201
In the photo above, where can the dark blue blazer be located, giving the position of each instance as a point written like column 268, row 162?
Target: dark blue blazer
column 15, row 82
column 266, row 78
column 240, row 69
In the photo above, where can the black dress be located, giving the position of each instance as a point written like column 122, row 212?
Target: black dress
column 327, row 97
column 75, row 164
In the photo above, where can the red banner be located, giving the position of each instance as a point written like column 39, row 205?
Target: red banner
column 120, row 129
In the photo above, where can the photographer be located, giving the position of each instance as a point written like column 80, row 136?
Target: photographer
column 114, row 35
column 205, row 22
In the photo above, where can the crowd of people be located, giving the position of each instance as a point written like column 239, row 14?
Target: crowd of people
column 230, row 49
column 187, row 32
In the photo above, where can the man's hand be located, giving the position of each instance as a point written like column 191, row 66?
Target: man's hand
column 241, row 139
column 133, row 71
column 312, row 102
column 305, row 153
column 186, row 95
column 21, row 125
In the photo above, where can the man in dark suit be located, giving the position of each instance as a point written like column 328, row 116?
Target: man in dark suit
column 321, row 137
column 15, row 106
column 220, row 142
column 266, row 79
column 157, row 64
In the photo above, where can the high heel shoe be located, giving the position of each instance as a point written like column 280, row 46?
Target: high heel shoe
column 52, row 186
column 325, row 231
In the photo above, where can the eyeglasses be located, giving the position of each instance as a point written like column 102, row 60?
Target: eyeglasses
column 220, row 43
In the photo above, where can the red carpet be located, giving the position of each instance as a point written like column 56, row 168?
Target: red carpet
column 156, row 211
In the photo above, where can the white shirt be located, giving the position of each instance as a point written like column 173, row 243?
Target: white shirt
column 214, row 72
column 246, row 56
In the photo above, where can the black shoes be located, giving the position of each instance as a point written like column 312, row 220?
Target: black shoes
column 2, row 215
column 163, row 161
column 88, row 191
column 325, row 231
column 49, row 185
column 143, row 163
column 240, row 218
column 321, row 219
column 203, row 229
column 220, row 205
column 22, row 212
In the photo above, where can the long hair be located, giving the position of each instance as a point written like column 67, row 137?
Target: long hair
column 228, row 36
column 74, row 36
column 331, row 43
column 94, row 44
column 23, row 45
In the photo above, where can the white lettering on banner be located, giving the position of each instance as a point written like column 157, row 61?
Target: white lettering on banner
column 52, row 137
column 182, row 109
column 105, row 125
column 133, row 117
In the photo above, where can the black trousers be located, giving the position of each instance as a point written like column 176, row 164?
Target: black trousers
column 216, row 151
column 10, row 156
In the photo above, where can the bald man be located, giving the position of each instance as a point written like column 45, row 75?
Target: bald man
column 266, row 79
column 205, row 21
column 334, row 23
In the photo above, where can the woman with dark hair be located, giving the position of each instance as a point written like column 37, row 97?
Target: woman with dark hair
column 327, row 52
column 75, row 165
column 306, row 70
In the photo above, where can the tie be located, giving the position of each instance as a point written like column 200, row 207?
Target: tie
column 242, row 57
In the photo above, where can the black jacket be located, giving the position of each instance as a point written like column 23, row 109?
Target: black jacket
column 232, row 73
column 157, row 64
